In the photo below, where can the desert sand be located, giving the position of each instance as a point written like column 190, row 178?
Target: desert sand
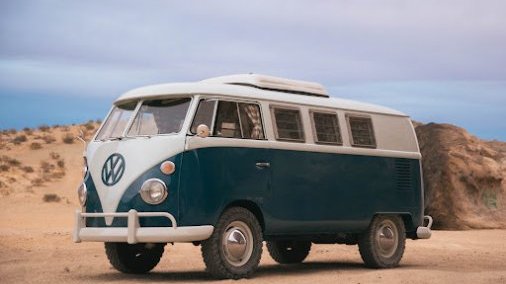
column 36, row 245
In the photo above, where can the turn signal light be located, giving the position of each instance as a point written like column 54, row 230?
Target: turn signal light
column 168, row 167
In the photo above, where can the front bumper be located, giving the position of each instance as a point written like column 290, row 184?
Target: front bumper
column 133, row 233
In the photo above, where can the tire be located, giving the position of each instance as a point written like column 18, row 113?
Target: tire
column 382, row 246
column 134, row 259
column 234, row 249
column 289, row 252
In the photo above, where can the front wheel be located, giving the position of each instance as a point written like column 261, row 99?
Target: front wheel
column 136, row 258
column 382, row 246
column 235, row 247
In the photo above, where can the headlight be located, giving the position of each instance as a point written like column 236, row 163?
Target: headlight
column 82, row 191
column 153, row 191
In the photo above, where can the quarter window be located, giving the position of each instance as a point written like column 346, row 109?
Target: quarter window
column 288, row 124
column 326, row 128
column 204, row 115
column 362, row 133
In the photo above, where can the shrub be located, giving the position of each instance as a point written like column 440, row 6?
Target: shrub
column 46, row 167
column 44, row 128
column 98, row 121
column 11, row 161
column 89, row 126
column 54, row 155
column 51, row 197
column 37, row 182
column 11, row 131
column 68, row 138
column 28, row 169
column 61, row 164
column 35, row 146
column 48, row 139
column 19, row 139
column 28, row 131
column 4, row 168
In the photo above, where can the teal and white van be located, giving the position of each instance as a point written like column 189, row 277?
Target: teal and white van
column 230, row 162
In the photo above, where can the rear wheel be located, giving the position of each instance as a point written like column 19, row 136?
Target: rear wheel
column 287, row 252
column 235, row 247
column 382, row 246
column 135, row 258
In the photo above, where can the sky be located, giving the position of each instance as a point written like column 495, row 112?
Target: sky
column 438, row 61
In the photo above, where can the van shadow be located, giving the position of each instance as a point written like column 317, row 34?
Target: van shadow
column 202, row 276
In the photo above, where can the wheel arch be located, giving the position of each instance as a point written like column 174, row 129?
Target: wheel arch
column 406, row 217
column 250, row 206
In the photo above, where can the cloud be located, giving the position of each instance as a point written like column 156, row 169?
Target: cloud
column 441, row 53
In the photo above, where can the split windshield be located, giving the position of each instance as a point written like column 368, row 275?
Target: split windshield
column 162, row 116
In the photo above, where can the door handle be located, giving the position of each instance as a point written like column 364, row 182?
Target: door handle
column 263, row 165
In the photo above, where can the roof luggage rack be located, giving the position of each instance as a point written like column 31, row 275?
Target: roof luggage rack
column 271, row 83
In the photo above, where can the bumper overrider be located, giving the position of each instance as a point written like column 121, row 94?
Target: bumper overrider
column 133, row 233
column 424, row 232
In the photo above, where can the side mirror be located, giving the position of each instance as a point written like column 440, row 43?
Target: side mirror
column 202, row 131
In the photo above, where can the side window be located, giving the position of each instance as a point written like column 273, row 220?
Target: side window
column 288, row 124
column 326, row 128
column 362, row 132
column 251, row 121
column 204, row 115
column 233, row 120
column 227, row 121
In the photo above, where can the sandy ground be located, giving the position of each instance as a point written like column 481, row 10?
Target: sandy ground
column 36, row 246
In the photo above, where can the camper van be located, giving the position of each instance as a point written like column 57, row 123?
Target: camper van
column 230, row 162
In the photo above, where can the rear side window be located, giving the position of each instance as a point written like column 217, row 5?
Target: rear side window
column 326, row 128
column 362, row 132
column 288, row 124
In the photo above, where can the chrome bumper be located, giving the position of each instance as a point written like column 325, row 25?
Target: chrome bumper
column 133, row 233
column 424, row 232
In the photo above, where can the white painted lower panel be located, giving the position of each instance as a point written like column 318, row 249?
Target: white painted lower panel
column 146, row 235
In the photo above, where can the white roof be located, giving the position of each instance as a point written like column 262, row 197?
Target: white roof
column 227, row 86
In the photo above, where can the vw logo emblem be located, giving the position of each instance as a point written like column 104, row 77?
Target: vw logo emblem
column 113, row 169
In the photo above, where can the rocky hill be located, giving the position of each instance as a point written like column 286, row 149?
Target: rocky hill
column 465, row 178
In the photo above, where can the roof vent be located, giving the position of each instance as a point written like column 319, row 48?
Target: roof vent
column 271, row 83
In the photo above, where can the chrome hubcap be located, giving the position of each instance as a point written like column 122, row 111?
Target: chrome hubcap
column 387, row 238
column 237, row 243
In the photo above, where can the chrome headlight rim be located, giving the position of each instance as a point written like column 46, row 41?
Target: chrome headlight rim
column 82, row 194
column 145, row 194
